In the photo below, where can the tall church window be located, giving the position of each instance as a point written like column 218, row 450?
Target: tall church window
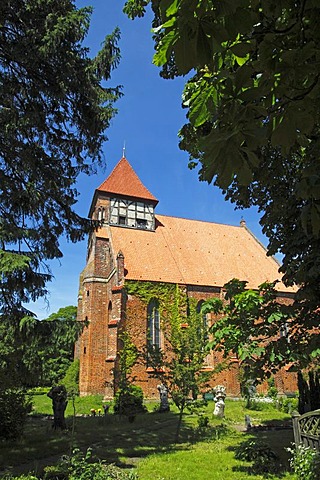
column 109, row 311
column 204, row 320
column 153, row 326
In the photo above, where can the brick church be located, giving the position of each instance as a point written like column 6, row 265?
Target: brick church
column 134, row 243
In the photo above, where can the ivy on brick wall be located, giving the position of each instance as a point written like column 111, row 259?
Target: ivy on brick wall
column 164, row 292
column 178, row 366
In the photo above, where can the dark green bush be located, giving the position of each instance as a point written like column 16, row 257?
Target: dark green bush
column 71, row 378
column 129, row 401
column 14, row 408
column 264, row 459
column 287, row 405
column 85, row 467
column 21, row 477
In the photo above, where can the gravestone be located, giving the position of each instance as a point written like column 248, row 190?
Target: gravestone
column 219, row 393
column 163, row 392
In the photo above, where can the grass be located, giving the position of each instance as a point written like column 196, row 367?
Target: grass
column 43, row 405
column 148, row 444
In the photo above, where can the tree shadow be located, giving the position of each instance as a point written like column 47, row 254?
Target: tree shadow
column 112, row 438
column 265, row 448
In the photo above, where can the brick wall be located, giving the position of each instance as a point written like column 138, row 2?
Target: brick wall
column 105, row 305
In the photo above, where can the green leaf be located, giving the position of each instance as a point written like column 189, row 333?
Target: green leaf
column 275, row 317
column 165, row 48
column 241, row 60
column 173, row 8
column 285, row 133
column 169, row 23
column 199, row 112
column 241, row 49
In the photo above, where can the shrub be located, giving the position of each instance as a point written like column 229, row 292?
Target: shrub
column 14, row 408
column 272, row 389
column 305, row 462
column 129, row 401
column 71, row 378
column 263, row 457
column 85, row 467
column 287, row 405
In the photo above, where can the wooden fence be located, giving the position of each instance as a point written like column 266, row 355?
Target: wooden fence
column 306, row 429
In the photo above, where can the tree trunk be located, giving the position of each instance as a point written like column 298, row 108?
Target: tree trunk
column 179, row 424
column 58, row 396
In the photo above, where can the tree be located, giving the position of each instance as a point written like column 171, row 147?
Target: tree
column 253, row 326
column 180, row 365
column 261, row 331
column 54, row 110
column 57, row 336
column 59, row 397
column 39, row 353
column 253, row 119
column 129, row 397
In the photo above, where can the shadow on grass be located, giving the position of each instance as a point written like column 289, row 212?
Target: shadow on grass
column 265, row 448
column 112, row 438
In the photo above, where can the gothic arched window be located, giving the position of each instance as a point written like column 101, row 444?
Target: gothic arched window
column 153, row 325
column 204, row 320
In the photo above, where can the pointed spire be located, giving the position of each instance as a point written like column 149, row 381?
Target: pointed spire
column 124, row 181
column 242, row 222
column 124, row 150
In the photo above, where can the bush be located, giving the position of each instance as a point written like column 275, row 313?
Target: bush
column 305, row 462
column 272, row 389
column 85, row 467
column 264, row 459
column 287, row 405
column 71, row 378
column 14, row 408
column 129, row 401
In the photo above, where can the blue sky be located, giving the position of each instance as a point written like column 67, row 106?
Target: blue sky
column 148, row 121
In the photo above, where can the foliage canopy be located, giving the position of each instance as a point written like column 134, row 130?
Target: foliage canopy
column 54, row 110
column 252, row 102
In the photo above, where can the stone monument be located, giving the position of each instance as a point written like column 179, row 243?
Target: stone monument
column 163, row 392
column 219, row 393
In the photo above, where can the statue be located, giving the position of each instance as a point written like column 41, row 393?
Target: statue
column 59, row 397
column 164, row 404
column 219, row 393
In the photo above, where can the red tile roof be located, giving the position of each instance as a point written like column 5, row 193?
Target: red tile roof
column 124, row 181
column 193, row 252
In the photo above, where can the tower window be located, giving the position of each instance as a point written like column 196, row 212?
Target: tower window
column 131, row 214
column 141, row 223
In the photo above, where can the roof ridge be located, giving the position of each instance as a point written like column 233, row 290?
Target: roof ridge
column 198, row 220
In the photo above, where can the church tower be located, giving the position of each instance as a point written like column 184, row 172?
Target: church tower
column 121, row 201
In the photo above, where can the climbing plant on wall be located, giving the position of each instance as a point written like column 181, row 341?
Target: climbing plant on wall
column 180, row 364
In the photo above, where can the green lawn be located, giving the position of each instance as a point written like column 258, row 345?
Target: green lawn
column 147, row 444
